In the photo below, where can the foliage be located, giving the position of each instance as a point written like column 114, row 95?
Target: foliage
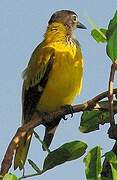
column 67, row 152
column 109, row 36
column 93, row 163
column 90, row 120
column 112, row 159
column 99, row 35
column 10, row 177
column 112, row 38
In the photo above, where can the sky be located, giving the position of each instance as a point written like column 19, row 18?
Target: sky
column 22, row 25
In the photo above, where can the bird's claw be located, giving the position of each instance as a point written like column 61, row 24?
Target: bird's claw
column 70, row 109
column 65, row 118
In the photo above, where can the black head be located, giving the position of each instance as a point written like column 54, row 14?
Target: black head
column 66, row 17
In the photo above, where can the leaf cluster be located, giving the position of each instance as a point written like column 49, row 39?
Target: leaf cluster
column 109, row 36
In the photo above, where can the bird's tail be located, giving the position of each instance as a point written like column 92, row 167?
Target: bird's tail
column 49, row 134
column 22, row 151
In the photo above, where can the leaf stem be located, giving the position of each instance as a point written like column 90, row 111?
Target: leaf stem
column 30, row 175
column 43, row 144
column 94, row 26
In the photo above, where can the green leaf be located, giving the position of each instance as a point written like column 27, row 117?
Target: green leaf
column 93, row 164
column 112, row 159
column 112, row 38
column 34, row 166
column 66, row 152
column 75, row 149
column 106, row 178
column 90, row 120
column 112, row 25
column 10, row 177
column 114, row 170
column 112, row 46
column 99, row 35
column 104, row 31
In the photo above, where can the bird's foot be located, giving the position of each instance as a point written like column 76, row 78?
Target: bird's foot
column 70, row 109
column 64, row 118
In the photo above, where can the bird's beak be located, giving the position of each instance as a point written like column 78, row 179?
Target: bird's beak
column 80, row 25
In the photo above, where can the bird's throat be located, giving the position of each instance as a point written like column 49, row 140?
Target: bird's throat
column 57, row 32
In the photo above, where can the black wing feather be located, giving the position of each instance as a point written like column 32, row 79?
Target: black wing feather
column 32, row 95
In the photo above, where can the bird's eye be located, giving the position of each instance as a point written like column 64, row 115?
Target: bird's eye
column 74, row 18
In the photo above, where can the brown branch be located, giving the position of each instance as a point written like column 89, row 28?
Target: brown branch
column 113, row 129
column 37, row 120
column 110, row 94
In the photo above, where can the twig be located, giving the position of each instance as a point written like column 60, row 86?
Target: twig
column 106, row 166
column 110, row 94
column 31, row 175
column 37, row 120
column 28, row 176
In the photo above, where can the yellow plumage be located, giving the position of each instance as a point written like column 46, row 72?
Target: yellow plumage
column 53, row 76
column 65, row 79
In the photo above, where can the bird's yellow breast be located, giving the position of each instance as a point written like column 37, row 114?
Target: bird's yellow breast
column 65, row 78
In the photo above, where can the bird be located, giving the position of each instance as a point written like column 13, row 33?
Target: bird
column 53, row 76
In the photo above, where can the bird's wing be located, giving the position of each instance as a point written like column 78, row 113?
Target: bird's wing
column 35, row 79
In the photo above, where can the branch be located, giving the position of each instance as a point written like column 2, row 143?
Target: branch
column 110, row 90
column 38, row 119
column 113, row 128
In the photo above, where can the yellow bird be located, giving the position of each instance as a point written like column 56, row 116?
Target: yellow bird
column 53, row 76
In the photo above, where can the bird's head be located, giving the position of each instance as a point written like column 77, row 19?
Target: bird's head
column 68, row 18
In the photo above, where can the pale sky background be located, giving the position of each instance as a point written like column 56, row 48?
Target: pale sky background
column 22, row 25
